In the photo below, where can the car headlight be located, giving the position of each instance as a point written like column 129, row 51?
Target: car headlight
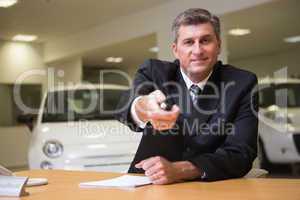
column 53, row 149
column 46, row 165
column 279, row 118
column 282, row 119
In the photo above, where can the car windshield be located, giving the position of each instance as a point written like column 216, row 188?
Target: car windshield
column 282, row 95
column 80, row 104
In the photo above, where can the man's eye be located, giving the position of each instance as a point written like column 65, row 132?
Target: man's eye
column 205, row 41
column 188, row 42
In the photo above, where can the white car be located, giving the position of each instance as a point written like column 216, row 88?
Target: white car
column 76, row 130
column 279, row 122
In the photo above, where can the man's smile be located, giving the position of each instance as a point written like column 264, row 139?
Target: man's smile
column 199, row 60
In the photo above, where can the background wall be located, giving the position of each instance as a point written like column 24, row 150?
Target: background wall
column 17, row 57
column 266, row 65
column 67, row 71
column 5, row 105
column 14, row 143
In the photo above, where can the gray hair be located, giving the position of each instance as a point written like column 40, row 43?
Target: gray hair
column 195, row 16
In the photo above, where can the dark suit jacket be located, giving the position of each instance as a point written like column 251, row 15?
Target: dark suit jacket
column 221, row 143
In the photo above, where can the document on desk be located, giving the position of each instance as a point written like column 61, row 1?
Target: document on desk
column 125, row 181
column 12, row 186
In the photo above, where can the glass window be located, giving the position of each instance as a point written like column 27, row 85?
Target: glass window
column 12, row 112
column 282, row 95
column 83, row 104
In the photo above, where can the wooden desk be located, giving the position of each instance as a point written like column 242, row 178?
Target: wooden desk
column 64, row 185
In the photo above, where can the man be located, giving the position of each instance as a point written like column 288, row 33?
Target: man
column 210, row 132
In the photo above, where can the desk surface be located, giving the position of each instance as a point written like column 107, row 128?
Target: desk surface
column 64, row 185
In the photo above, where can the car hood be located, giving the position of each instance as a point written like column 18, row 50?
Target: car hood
column 292, row 113
column 104, row 131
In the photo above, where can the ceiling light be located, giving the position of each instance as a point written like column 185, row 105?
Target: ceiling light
column 7, row 3
column 154, row 49
column 118, row 60
column 239, row 31
column 109, row 59
column 114, row 59
column 292, row 39
column 25, row 38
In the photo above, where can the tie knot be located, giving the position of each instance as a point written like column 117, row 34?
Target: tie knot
column 196, row 90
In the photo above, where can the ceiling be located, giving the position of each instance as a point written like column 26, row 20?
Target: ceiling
column 52, row 19
column 269, row 24
column 134, row 52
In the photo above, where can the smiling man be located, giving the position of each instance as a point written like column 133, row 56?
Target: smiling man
column 209, row 131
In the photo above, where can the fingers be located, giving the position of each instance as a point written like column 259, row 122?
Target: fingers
column 142, row 163
column 149, row 110
column 160, row 181
column 164, row 120
column 145, row 106
column 149, row 104
column 139, row 165
column 154, row 171
column 153, row 167
column 158, row 96
column 165, row 115
column 158, row 169
column 154, row 99
column 147, row 163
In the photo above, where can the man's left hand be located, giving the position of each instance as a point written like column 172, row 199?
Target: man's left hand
column 159, row 170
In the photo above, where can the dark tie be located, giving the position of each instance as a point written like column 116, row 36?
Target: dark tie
column 195, row 92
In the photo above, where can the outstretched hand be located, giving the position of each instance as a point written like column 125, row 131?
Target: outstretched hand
column 149, row 110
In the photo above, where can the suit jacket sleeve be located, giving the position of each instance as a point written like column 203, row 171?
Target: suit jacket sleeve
column 142, row 85
column 234, row 158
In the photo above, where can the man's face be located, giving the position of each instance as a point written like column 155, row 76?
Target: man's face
column 197, row 49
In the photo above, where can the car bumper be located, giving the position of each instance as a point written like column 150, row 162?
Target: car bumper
column 282, row 148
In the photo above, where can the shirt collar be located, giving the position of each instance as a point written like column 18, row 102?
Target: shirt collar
column 189, row 83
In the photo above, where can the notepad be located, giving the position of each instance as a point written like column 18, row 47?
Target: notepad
column 12, row 186
column 125, row 181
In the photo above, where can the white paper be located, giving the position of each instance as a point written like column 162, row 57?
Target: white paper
column 125, row 181
column 12, row 185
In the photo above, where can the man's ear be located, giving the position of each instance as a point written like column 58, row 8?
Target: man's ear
column 174, row 49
